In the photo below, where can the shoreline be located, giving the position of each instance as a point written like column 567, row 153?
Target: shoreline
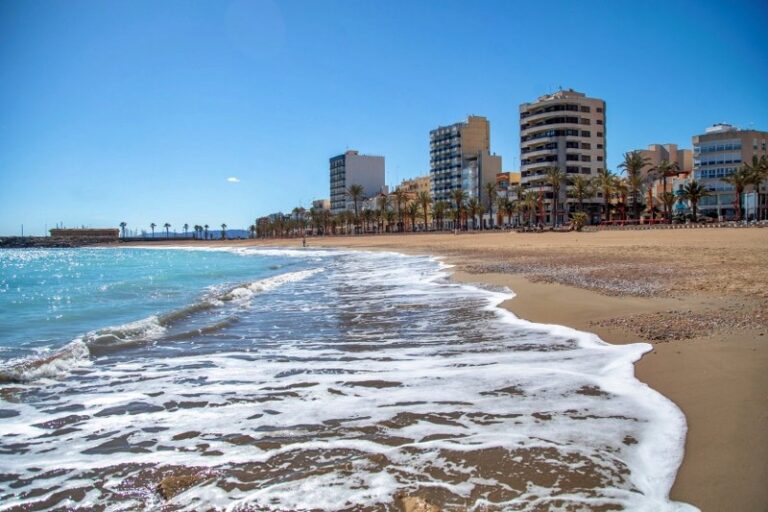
column 714, row 375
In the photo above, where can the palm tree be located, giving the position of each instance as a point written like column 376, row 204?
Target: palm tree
column 581, row 188
column 223, row 231
column 509, row 208
column 622, row 191
column 401, row 200
column 186, row 228
column 355, row 193
column 474, row 209
column 758, row 172
column 529, row 201
column 740, row 179
column 425, row 201
column 666, row 170
column 413, row 212
column 490, row 189
column 122, row 227
column 605, row 181
column 501, row 208
column 167, row 226
column 205, row 232
column 633, row 165
column 252, row 229
column 438, row 213
column 668, row 200
column 383, row 207
column 458, row 196
column 693, row 192
column 554, row 177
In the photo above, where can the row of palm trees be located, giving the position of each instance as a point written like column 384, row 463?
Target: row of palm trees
column 199, row 231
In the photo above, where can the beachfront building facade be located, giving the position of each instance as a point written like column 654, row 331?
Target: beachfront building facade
column 656, row 155
column 717, row 153
column 566, row 130
column 352, row 168
column 321, row 204
column 460, row 158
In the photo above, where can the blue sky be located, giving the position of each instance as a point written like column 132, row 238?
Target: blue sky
column 140, row 111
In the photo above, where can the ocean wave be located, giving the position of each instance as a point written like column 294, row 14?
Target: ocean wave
column 139, row 333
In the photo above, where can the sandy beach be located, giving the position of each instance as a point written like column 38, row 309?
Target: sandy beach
column 698, row 295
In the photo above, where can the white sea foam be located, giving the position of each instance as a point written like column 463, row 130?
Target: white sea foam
column 378, row 357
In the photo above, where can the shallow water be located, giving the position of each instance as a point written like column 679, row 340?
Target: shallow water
column 309, row 380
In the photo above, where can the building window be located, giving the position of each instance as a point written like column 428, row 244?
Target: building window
column 586, row 145
column 585, row 109
column 572, row 145
column 586, row 134
column 586, row 158
column 585, row 170
column 599, row 134
column 599, row 121
column 599, row 159
column 599, row 146
column 599, row 109
column 585, row 121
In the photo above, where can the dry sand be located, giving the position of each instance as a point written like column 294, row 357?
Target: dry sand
column 700, row 295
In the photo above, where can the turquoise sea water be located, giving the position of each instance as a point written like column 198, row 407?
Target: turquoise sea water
column 288, row 379
column 48, row 297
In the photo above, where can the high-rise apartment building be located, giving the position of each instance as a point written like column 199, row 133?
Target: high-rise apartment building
column 352, row 168
column 460, row 158
column 564, row 130
column 717, row 153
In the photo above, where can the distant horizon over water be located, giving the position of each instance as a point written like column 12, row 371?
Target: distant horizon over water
column 300, row 379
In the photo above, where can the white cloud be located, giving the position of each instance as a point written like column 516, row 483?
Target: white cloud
column 233, row 179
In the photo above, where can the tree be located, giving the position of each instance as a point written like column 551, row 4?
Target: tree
column 758, row 172
column 740, row 179
column 622, row 191
column 383, row 208
column 355, row 193
column 413, row 212
column 529, row 202
column 438, row 213
column 458, row 196
column 153, row 226
column 668, row 200
column 186, row 228
column 510, row 208
column 223, row 231
column 474, row 208
column 581, row 188
column 663, row 171
column 252, row 229
column 554, row 177
column 401, row 200
column 490, row 189
column 633, row 165
column 425, row 201
column 205, row 228
column 122, row 227
column 693, row 192
column 167, row 226
column 501, row 208
column 605, row 181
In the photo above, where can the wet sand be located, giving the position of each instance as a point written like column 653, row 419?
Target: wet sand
column 700, row 296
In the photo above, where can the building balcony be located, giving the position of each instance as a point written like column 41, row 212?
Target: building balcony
column 560, row 126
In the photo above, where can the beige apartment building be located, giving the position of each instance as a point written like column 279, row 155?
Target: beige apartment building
column 414, row 186
column 566, row 130
column 656, row 154
column 460, row 158
column 717, row 153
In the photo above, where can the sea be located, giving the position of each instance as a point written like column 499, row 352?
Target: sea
column 309, row 380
